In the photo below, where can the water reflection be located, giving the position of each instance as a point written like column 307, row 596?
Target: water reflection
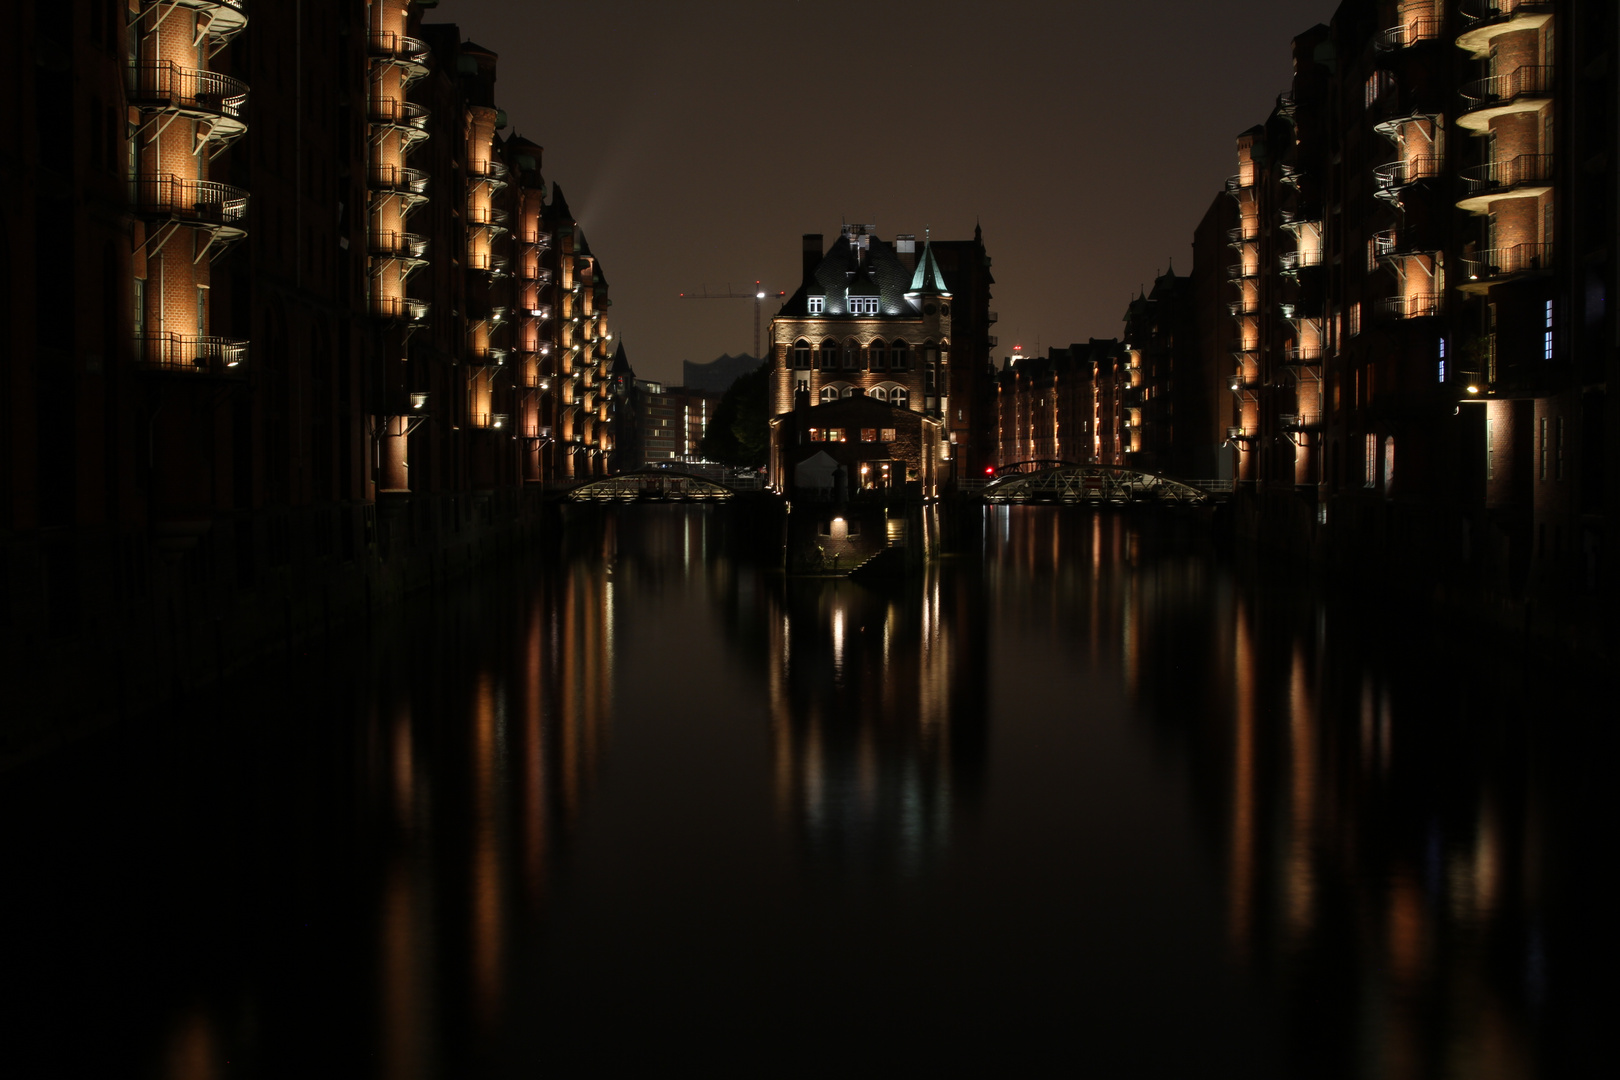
column 877, row 718
column 649, row 787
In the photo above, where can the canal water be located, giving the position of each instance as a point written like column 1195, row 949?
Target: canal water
column 1088, row 798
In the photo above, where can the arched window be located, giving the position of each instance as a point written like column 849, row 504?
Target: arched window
column 801, row 353
column 829, row 393
column 878, row 393
column 852, row 354
column 901, row 397
column 848, row 391
column 829, row 355
column 900, row 357
column 879, row 353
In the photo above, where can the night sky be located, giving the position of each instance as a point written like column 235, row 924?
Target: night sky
column 697, row 141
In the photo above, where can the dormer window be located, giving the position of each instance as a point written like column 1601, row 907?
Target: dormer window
column 863, row 305
column 818, row 304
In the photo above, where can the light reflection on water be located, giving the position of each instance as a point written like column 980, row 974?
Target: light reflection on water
column 1089, row 793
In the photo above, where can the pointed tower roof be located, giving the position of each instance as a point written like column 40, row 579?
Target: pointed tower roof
column 559, row 205
column 928, row 277
column 621, row 363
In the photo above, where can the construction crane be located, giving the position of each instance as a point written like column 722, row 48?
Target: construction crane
column 758, row 296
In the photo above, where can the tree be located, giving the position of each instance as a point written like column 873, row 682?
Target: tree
column 740, row 433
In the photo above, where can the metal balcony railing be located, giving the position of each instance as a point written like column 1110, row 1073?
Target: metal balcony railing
column 398, row 113
column 1245, row 233
column 1399, row 174
column 1407, row 35
column 1236, row 185
column 400, row 307
column 1417, row 306
column 541, row 311
column 1290, row 261
column 1508, row 173
column 487, row 262
column 1530, row 80
column 398, row 49
column 199, row 202
column 1243, row 307
column 165, row 84
column 1492, row 10
column 487, row 217
column 190, row 354
column 1507, row 261
column 1304, row 354
column 1298, row 421
column 488, row 354
column 397, row 178
column 388, row 243
column 1237, row 272
column 487, row 169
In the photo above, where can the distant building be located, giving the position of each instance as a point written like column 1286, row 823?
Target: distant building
column 893, row 324
column 673, row 420
column 716, row 376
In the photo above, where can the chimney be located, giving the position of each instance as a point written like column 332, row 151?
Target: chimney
column 812, row 254
column 905, row 246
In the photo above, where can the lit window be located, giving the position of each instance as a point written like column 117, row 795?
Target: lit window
column 1541, row 463
column 1371, row 478
column 1546, row 340
column 1355, row 318
column 1442, row 359
column 1490, row 449
column 900, row 396
column 817, row 304
column 868, row 434
column 886, row 435
column 1389, row 463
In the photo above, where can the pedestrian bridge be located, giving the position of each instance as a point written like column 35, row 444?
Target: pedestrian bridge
column 1096, row 485
column 658, row 485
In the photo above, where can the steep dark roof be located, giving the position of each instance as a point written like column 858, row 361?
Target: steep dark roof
column 559, row 205
column 621, row 363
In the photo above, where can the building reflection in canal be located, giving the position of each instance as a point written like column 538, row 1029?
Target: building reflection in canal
column 1287, row 827
column 877, row 718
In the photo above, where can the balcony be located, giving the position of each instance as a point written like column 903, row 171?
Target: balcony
column 487, row 355
column 991, row 318
column 1291, row 262
column 1521, row 90
column 1303, row 354
column 1416, row 306
column 397, row 179
column 541, row 312
column 1238, row 187
column 1295, row 310
column 1394, row 177
column 1237, row 271
column 199, row 94
column 487, row 262
column 407, row 53
column 224, row 18
column 400, row 307
column 391, row 112
column 190, row 354
column 487, row 170
column 541, row 240
column 487, row 217
column 1492, row 18
column 1407, row 35
column 1497, row 264
column 1298, row 421
column 203, row 203
column 1522, row 176
column 1239, row 308
column 387, row 243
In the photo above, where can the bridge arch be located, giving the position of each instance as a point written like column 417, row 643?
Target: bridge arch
column 650, row 485
column 1093, row 485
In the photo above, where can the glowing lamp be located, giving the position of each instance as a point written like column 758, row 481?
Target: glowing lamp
column 1472, row 389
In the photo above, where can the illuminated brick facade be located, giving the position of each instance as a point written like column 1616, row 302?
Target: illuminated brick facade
column 284, row 353
column 897, row 324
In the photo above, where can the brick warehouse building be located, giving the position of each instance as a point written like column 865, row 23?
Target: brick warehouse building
column 902, row 326
column 1422, row 326
column 337, row 335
